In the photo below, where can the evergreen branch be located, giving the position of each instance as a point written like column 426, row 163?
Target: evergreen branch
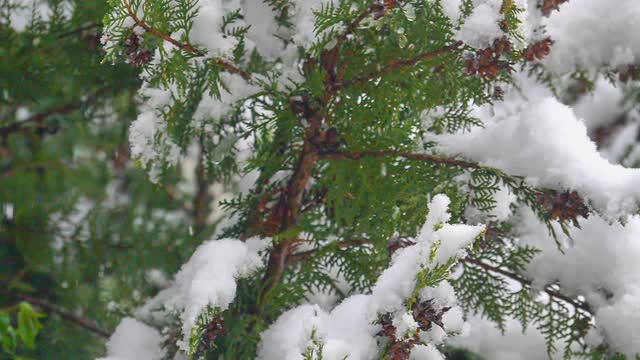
column 288, row 208
column 202, row 198
column 290, row 204
column 183, row 46
column 353, row 25
column 527, row 282
column 340, row 245
column 38, row 119
column 66, row 315
column 394, row 65
column 392, row 153
column 90, row 26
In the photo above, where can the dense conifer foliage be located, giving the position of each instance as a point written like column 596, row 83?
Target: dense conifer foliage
column 319, row 179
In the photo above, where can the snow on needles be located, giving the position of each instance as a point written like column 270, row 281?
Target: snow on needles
column 593, row 33
column 532, row 134
column 349, row 330
column 208, row 279
column 482, row 26
column 601, row 265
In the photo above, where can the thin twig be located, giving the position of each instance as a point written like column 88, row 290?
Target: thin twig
column 183, row 46
column 340, row 245
column 396, row 65
column 201, row 199
column 351, row 28
column 90, row 26
column 553, row 293
column 39, row 118
column 407, row 155
column 66, row 315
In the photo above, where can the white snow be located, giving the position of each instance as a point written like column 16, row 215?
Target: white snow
column 534, row 135
column 425, row 352
column 133, row 340
column 599, row 264
column 593, row 33
column 600, row 107
column 208, row 279
column 487, row 341
column 349, row 329
column 482, row 26
column 452, row 9
column 291, row 335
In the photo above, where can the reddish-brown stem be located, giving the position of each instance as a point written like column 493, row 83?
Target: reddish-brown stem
column 406, row 155
column 201, row 199
column 38, row 119
column 289, row 206
column 183, row 46
column 351, row 28
column 395, row 65
column 290, row 203
column 526, row 282
column 300, row 256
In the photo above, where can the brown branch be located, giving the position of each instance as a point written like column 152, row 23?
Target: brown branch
column 201, row 199
column 527, row 282
column 406, row 155
column 289, row 206
column 300, row 256
column 351, row 28
column 66, row 315
column 90, row 26
column 183, row 46
column 396, row 65
column 38, row 119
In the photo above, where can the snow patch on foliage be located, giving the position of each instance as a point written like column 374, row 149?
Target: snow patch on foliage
column 620, row 322
column 148, row 134
column 425, row 352
column 291, row 335
column 452, row 9
column 536, row 136
column 600, row 107
column 483, row 25
column 593, row 33
column 207, row 279
column 599, row 264
column 486, row 340
column 133, row 340
column 349, row 330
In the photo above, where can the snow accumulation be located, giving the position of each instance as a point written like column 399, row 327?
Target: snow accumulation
column 532, row 134
column 599, row 264
column 593, row 33
column 133, row 340
column 207, row 279
column 484, row 339
column 482, row 26
column 349, row 330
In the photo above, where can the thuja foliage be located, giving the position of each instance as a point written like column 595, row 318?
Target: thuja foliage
column 327, row 158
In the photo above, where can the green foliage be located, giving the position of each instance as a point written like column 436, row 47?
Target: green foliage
column 19, row 326
column 82, row 226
